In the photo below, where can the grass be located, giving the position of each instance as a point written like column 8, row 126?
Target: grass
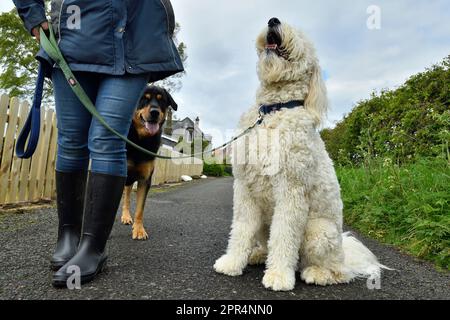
column 407, row 206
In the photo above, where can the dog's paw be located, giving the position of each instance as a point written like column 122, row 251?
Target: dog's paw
column 228, row 265
column 126, row 219
column 139, row 232
column 321, row 276
column 258, row 256
column 279, row 281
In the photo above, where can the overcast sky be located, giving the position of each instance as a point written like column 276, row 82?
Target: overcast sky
column 221, row 68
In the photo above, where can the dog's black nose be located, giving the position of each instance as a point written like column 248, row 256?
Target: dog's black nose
column 154, row 114
column 274, row 22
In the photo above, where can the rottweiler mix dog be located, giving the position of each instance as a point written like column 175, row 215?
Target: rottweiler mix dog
column 146, row 131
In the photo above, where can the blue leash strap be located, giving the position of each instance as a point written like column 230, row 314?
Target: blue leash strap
column 32, row 126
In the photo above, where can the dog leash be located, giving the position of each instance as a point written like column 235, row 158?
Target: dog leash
column 32, row 125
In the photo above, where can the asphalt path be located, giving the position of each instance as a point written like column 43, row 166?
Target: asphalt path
column 188, row 226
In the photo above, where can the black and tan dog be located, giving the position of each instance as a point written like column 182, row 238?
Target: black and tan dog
column 146, row 131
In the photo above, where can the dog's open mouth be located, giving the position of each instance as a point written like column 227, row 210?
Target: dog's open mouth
column 274, row 43
column 277, row 50
column 271, row 46
column 273, row 38
column 151, row 127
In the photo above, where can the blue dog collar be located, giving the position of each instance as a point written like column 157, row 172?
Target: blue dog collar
column 268, row 108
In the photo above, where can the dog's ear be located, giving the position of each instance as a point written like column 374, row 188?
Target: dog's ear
column 316, row 101
column 170, row 101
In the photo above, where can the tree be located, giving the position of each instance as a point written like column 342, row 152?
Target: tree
column 18, row 67
column 17, row 63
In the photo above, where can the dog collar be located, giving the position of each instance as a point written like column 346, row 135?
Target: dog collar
column 268, row 108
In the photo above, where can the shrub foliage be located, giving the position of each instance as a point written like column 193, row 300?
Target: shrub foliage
column 405, row 124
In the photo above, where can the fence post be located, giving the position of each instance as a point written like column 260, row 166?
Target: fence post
column 8, row 146
column 17, row 162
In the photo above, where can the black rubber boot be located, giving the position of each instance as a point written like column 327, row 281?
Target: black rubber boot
column 102, row 201
column 70, row 190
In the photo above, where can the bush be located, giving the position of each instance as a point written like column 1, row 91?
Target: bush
column 405, row 124
column 407, row 206
column 214, row 169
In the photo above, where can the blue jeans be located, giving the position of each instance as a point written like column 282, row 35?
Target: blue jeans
column 82, row 138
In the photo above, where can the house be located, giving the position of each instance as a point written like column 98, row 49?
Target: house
column 187, row 129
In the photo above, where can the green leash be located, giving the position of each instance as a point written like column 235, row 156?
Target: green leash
column 51, row 48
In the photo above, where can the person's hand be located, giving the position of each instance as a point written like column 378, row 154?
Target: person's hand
column 35, row 30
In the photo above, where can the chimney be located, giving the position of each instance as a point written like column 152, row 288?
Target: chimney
column 197, row 121
column 168, row 129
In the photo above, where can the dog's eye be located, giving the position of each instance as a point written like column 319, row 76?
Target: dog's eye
column 148, row 96
column 159, row 97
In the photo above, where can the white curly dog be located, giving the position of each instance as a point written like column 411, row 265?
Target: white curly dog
column 287, row 203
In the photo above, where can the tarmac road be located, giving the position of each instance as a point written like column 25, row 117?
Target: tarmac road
column 188, row 228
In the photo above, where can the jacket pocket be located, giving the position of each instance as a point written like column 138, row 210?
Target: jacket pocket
column 86, row 31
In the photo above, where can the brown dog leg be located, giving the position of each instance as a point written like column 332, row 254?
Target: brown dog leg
column 139, row 232
column 126, row 216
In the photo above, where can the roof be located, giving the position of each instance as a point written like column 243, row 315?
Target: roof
column 180, row 123
column 169, row 138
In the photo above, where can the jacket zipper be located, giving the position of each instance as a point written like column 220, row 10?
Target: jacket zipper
column 59, row 21
column 170, row 16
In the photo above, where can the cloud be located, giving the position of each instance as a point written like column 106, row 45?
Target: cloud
column 6, row 6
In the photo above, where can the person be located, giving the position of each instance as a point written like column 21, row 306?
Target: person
column 114, row 48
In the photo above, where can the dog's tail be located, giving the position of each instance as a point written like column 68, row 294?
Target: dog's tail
column 359, row 261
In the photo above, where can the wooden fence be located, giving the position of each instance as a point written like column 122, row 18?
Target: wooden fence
column 29, row 180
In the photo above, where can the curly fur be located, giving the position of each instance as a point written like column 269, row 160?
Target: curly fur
column 287, row 203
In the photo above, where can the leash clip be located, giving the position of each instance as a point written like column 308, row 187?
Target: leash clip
column 260, row 117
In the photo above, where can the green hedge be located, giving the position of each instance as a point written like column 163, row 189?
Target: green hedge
column 214, row 170
column 405, row 124
column 407, row 206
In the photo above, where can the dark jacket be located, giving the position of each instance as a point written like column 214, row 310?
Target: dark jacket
column 110, row 36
